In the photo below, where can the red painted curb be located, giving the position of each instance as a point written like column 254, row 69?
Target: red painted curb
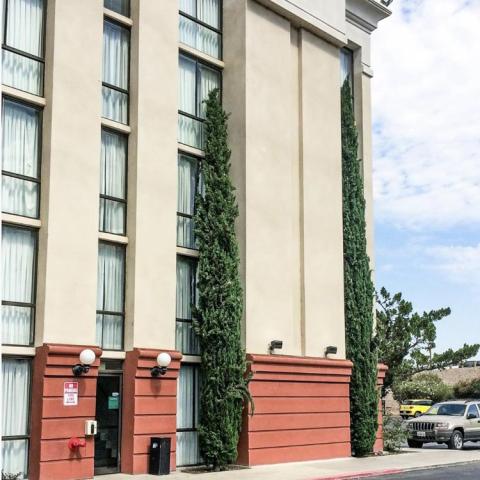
column 347, row 476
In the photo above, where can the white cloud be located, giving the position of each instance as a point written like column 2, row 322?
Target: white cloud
column 426, row 98
column 459, row 263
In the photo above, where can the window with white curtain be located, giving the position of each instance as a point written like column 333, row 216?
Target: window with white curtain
column 23, row 45
column 200, row 25
column 120, row 6
column 188, row 186
column 110, row 296
column 188, row 395
column 346, row 66
column 113, row 183
column 116, row 46
column 16, row 373
column 196, row 80
column 21, row 159
column 19, row 247
column 186, row 338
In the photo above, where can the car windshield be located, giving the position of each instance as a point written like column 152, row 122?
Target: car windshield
column 453, row 409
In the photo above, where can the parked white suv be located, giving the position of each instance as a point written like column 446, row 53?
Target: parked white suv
column 453, row 423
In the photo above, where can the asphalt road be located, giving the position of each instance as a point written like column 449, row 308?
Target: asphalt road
column 467, row 471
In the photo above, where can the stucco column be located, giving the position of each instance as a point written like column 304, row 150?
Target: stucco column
column 260, row 92
column 322, row 196
column 152, row 182
column 68, row 242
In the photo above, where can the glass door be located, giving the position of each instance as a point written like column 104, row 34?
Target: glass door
column 108, row 416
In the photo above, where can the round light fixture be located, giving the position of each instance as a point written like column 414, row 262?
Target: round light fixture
column 163, row 361
column 87, row 357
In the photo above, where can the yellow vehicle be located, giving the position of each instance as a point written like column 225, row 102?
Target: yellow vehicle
column 414, row 408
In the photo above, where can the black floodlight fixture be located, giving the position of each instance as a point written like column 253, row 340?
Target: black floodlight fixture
column 331, row 350
column 275, row 345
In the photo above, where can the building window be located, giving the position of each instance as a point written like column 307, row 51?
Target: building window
column 116, row 45
column 21, row 159
column 19, row 246
column 188, row 187
column 346, row 67
column 188, row 394
column 186, row 339
column 110, row 296
column 200, row 25
column 23, row 45
column 196, row 81
column 113, row 184
column 16, row 373
column 120, row 6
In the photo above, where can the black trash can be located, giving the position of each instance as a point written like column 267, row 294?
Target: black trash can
column 159, row 460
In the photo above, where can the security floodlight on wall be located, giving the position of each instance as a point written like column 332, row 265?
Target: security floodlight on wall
column 275, row 345
column 87, row 357
column 331, row 350
column 163, row 361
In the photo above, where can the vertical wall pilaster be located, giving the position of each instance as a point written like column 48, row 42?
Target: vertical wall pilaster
column 322, row 196
column 149, row 408
column 378, row 447
column 152, row 176
column 53, row 423
column 68, row 241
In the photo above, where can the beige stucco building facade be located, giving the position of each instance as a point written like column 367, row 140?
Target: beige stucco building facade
column 112, row 113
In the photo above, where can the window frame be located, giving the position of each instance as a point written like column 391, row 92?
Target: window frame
column 32, row 305
column 351, row 56
column 200, row 62
column 192, row 261
column 218, row 30
column 128, row 15
column 18, row 176
column 30, row 56
column 197, row 186
column 196, row 379
column 115, row 199
column 108, row 312
column 27, row 436
column 106, row 18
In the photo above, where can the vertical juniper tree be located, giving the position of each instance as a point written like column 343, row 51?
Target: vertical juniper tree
column 359, row 290
column 220, row 300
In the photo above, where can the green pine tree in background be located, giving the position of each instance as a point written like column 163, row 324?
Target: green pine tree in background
column 359, row 290
column 220, row 298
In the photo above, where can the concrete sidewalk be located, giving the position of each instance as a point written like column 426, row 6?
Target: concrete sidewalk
column 331, row 469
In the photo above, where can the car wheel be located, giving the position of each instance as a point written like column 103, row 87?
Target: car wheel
column 417, row 414
column 456, row 440
column 414, row 444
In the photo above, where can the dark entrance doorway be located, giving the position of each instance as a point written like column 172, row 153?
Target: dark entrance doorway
column 108, row 416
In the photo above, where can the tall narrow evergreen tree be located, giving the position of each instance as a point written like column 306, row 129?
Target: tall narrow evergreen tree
column 220, row 298
column 359, row 290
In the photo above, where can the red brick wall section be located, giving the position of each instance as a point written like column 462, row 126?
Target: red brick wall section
column 52, row 423
column 149, row 408
column 378, row 447
column 301, row 410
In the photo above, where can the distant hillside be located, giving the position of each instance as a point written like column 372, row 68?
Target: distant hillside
column 451, row 376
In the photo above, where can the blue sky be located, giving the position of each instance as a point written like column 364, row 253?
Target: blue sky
column 426, row 113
